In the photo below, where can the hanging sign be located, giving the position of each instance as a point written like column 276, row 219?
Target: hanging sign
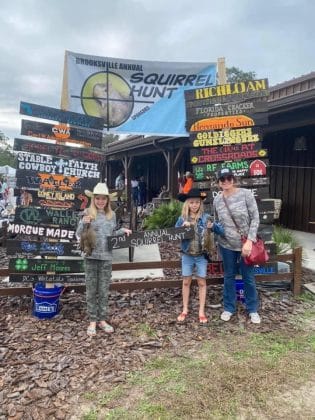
column 30, row 179
column 56, row 165
column 35, row 216
column 149, row 237
column 62, row 133
column 47, row 278
column 59, row 249
column 239, row 168
column 67, row 117
column 41, row 231
column 57, row 150
column 224, row 137
column 40, row 265
column 231, row 152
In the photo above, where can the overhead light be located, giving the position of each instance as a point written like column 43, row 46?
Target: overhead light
column 299, row 144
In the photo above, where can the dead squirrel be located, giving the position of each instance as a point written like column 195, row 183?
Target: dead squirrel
column 87, row 239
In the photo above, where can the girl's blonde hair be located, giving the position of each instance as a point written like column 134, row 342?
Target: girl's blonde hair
column 185, row 209
column 92, row 210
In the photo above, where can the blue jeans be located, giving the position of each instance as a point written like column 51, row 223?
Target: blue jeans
column 234, row 264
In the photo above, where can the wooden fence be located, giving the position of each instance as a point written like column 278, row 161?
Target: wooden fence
column 294, row 276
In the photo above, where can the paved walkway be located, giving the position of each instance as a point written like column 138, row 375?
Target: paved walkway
column 307, row 241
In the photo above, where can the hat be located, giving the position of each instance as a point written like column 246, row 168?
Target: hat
column 99, row 189
column 193, row 193
column 222, row 173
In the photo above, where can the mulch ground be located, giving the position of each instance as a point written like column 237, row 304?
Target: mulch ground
column 46, row 366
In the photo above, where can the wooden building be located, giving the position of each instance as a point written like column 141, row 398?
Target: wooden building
column 289, row 138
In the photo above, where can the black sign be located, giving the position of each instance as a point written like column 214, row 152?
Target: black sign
column 238, row 91
column 55, row 199
column 54, row 114
column 243, row 167
column 224, row 137
column 30, row 179
column 35, row 163
column 41, row 231
column 62, row 133
column 149, row 237
column 60, row 249
column 250, row 108
column 57, row 150
column 204, row 156
column 242, row 182
column 47, row 278
column 40, row 265
column 47, row 216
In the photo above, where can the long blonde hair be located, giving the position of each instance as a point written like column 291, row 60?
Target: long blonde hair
column 185, row 210
column 92, row 210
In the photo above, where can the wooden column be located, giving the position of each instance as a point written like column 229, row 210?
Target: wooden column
column 297, row 271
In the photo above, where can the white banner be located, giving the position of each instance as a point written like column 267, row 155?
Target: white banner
column 133, row 97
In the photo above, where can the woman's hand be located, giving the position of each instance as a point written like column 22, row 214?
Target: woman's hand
column 247, row 248
column 128, row 232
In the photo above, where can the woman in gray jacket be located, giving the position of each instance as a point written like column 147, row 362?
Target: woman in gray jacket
column 98, row 264
column 238, row 204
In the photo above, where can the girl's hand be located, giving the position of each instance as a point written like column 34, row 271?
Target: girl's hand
column 209, row 224
column 128, row 232
column 247, row 248
column 186, row 223
column 87, row 219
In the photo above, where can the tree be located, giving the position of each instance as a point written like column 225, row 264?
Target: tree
column 6, row 153
column 109, row 138
column 234, row 74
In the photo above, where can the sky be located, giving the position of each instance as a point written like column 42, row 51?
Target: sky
column 274, row 38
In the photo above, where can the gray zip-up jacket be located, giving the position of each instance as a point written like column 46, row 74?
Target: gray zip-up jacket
column 103, row 228
column 243, row 206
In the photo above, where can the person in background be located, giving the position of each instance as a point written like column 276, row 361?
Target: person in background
column 120, row 182
column 98, row 265
column 134, row 190
column 26, row 198
column 192, row 254
column 163, row 192
column 189, row 182
column 142, row 192
column 243, row 208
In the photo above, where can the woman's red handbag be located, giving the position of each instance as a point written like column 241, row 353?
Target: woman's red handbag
column 258, row 255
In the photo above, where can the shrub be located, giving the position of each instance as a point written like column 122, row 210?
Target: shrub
column 164, row 216
column 284, row 239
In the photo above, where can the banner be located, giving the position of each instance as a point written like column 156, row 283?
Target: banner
column 133, row 96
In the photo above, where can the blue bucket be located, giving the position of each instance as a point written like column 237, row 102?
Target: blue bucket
column 46, row 300
column 239, row 285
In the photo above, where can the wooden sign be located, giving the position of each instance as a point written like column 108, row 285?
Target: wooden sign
column 47, row 278
column 149, row 237
column 62, row 133
column 239, row 168
column 40, row 265
column 47, row 216
column 242, row 182
column 56, row 199
column 41, row 231
column 234, row 121
column 57, row 165
column 55, row 114
column 60, row 249
column 203, row 155
column 250, row 108
column 228, row 92
column 225, row 137
column 266, row 269
column 30, row 179
column 57, row 150
column 259, row 193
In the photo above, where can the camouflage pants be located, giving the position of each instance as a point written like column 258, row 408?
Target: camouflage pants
column 97, row 278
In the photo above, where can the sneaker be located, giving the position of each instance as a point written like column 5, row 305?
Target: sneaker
column 255, row 318
column 226, row 315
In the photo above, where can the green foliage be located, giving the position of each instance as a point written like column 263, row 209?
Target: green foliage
column 6, row 154
column 164, row 216
column 284, row 239
column 234, row 74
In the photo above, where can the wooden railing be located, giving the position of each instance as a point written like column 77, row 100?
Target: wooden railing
column 294, row 276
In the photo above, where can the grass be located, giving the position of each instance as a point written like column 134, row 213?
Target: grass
column 233, row 376
column 284, row 239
